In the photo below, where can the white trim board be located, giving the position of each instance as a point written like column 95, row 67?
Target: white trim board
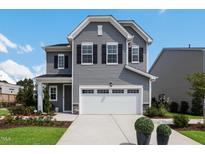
column 110, row 19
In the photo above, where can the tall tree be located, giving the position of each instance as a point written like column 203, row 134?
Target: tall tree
column 26, row 94
column 197, row 81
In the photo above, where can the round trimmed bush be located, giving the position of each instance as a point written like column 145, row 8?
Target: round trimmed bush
column 181, row 121
column 144, row 125
column 164, row 130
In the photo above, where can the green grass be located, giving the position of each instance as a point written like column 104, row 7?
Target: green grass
column 198, row 136
column 4, row 112
column 31, row 135
column 171, row 115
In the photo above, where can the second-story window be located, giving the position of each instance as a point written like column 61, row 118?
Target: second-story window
column 135, row 54
column 112, row 53
column 87, row 53
column 61, row 61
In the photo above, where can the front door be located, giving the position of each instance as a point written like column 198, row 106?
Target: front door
column 67, row 98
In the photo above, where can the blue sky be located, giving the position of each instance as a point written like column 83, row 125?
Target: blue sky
column 23, row 32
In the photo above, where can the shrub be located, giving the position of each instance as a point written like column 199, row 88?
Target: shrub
column 197, row 106
column 173, row 107
column 153, row 111
column 17, row 110
column 184, row 107
column 164, row 130
column 46, row 102
column 181, row 121
column 29, row 110
column 144, row 125
column 21, row 110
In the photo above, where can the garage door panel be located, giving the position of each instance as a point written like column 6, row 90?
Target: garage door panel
column 110, row 103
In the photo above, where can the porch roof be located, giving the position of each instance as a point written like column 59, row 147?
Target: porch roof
column 54, row 78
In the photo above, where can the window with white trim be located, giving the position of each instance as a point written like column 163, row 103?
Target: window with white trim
column 112, row 53
column 61, row 62
column 135, row 54
column 87, row 53
column 53, row 93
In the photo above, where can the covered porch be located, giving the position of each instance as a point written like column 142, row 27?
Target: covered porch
column 60, row 91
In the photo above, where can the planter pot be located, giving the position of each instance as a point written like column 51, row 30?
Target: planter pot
column 162, row 140
column 143, row 139
column 56, row 109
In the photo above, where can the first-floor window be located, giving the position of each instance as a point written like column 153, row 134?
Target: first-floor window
column 87, row 53
column 53, row 93
column 60, row 61
column 135, row 54
column 112, row 53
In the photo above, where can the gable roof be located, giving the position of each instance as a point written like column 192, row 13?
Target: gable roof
column 152, row 77
column 61, row 47
column 137, row 28
column 109, row 18
column 175, row 49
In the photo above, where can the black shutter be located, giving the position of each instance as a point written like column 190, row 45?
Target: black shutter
column 95, row 52
column 55, row 61
column 119, row 53
column 129, row 54
column 78, row 54
column 66, row 61
column 103, row 53
column 141, row 54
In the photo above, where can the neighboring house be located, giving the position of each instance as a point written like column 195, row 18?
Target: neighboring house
column 172, row 67
column 8, row 92
column 102, row 70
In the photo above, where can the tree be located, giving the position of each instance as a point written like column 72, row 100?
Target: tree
column 197, row 81
column 25, row 96
column 46, row 102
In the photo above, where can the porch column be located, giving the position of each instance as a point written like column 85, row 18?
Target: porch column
column 40, row 96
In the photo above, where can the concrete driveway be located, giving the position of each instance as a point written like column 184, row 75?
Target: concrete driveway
column 110, row 130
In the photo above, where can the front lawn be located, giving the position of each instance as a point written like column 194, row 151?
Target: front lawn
column 31, row 135
column 4, row 112
column 171, row 115
column 198, row 136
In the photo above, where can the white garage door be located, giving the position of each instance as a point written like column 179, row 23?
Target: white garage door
column 110, row 101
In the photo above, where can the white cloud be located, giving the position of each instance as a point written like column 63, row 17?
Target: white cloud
column 162, row 11
column 4, row 76
column 25, row 49
column 5, row 43
column 15, row 71
column 39, row 69
column 3, row 48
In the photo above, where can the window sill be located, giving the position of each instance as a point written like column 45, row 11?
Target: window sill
column 53, row 100
column 112, row 63
column 135, row 62
column 86, row 63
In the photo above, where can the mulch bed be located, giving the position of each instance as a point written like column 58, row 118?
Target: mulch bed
column 191, row 127
column 61, row 124
column 158, row 117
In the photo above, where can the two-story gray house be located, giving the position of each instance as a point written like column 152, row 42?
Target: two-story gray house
column 102, row 70
column 172, row 66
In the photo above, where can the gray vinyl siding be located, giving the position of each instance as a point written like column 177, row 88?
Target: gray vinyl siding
column 50, row 63
column 172, row 67
column 59, row 102
column 102, row 74
column 138, row 40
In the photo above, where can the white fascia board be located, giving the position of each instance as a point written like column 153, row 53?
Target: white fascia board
column 152, row 77
column 54, row 80
column 100, row 19
column 138, row 30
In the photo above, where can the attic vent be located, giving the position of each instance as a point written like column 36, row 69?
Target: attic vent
column 100, row 29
